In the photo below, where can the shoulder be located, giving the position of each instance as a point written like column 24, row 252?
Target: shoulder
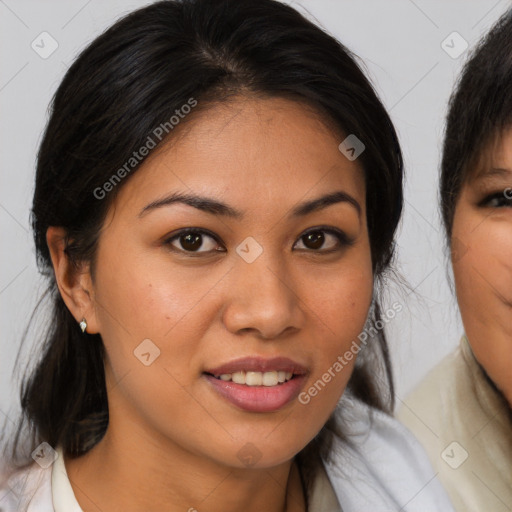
column 382, row 466
column 27, row 490
column 454, row 414
column 440, row 383
column 437, row 406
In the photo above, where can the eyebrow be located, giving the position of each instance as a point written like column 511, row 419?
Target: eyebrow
column 498, row 172
column 216, row 207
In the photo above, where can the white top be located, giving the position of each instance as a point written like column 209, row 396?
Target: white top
column 383, row 470
column 466, row 427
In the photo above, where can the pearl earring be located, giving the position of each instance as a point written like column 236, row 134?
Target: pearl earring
column 83, row 324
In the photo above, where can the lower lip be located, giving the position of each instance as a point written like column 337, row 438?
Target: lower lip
column 258, row 398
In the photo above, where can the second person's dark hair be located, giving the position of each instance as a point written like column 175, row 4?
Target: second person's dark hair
column 480, row 109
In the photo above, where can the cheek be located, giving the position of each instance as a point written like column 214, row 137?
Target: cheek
column 145, row 294
column 345, row 295
column 340, row 304
column 344, row 305
column 482, row 265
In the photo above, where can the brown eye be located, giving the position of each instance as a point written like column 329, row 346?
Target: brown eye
column 314, row 240
column 323, row 240
column 193, row 241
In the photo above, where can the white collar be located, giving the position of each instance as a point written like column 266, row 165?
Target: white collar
column 63, row 496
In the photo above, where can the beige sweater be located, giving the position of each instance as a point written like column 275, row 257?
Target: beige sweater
column 465, row 426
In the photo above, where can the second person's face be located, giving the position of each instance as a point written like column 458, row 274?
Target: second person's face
column 482, row 263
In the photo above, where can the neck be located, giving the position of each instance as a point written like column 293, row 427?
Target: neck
column 130, row 471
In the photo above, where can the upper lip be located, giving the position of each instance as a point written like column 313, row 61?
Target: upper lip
column 259, row 364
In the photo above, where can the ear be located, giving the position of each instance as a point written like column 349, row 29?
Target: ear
column 75, row 284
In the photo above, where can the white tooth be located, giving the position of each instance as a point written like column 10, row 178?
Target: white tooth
column 238, row 377
column 254, row 378
column 281, row 376
column 270, row 379
column 289, row 375
column 225, row 376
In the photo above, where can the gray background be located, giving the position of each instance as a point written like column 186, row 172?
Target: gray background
column 400, row 44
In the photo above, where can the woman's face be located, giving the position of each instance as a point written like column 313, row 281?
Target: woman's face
column 182, row 316
column 482, row 263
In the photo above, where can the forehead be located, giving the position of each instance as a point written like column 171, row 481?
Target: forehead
column 251, row 152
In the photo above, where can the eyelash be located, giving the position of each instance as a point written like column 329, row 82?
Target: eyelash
column 342, row 238
column 505, row 196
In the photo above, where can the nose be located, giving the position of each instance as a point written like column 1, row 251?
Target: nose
column 263, row 300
